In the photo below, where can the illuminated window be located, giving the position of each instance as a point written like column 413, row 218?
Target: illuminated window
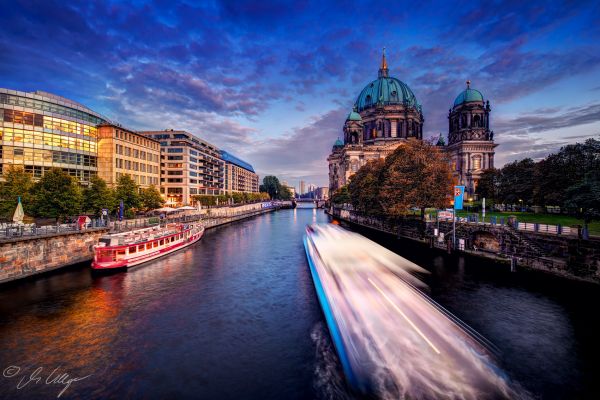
column 476, row 162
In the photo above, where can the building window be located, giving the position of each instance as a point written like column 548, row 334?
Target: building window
column 477, row 162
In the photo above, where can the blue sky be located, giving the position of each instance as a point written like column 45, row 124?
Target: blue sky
column 273, row 81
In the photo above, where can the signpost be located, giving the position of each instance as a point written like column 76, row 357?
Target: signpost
column 484, row 210
column 459, row 193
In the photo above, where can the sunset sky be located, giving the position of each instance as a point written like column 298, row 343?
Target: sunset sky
column 272, row 82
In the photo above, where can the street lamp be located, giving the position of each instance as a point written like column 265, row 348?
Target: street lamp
column 521, row 204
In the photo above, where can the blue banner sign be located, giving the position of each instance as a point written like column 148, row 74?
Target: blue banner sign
column 459, row 194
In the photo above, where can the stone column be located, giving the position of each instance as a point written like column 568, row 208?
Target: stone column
column 394, row 128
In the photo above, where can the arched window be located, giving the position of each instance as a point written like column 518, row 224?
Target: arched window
column 476, row 162
column 476, row 121
column 368, row 100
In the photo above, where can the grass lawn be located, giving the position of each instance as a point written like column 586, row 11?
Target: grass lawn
column 550, row 219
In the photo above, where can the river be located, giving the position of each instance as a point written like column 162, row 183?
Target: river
column 236, row 317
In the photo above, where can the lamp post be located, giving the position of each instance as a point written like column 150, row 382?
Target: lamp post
column 521, row 205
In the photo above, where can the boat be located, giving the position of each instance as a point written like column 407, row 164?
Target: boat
column 394, row 341
column 132, row 248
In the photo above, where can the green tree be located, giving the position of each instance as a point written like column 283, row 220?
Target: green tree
column 127, row 191
column 516, row 182
column 364, row 187
column 563, row 169
column 488, row 185
column 416, row 174
column 272, row 186
column 57, row 195
column 285, row 193
column 341, row 196
column 584, row 197
column 97, row 195
column 17, row 183
column 150, row 198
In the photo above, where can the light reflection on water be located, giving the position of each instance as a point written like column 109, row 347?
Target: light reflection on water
column 236, row 316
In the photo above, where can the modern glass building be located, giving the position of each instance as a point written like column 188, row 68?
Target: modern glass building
column 40, row 131
column 189, row 166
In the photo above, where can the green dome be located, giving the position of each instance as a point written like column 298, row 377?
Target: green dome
column 468, row 95
column 386, row 90
column 354, row 116
column 338, row 143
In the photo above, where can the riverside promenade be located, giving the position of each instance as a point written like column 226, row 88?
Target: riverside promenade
column 35, row 250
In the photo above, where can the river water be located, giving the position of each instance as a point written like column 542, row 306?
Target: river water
column 236, row 317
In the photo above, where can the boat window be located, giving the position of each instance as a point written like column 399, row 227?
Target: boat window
column 132, row 249
column 148, row 246
column 155, row 243
column 162, row 241
column 141, row 248
column 120, row 253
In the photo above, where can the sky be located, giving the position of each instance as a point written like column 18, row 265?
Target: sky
column 273, row 81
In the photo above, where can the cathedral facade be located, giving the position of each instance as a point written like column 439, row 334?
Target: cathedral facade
column 387, row 113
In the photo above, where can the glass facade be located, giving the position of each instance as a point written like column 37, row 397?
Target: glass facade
column 40, row 131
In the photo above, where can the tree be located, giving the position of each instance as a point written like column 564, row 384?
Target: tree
column 285, row 193
column 18, row 183
column 275, row 189
column 57, row 195
column 341, row 196
column 584, row 196
column 127, row 191
column 517, row 182
column 561, row 170
column 97, row 195
column 416, row 174
column 150, row 198
column 271, row 185
column 364, row 187
column 488, row 185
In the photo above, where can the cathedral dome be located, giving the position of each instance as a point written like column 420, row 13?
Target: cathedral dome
column 468, row 95
column 338, row 143
column 354, row 116
column 386, row 90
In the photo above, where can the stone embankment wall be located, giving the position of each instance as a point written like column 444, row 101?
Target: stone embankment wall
column 29, row 255
column 567, row 256
column 22, row 257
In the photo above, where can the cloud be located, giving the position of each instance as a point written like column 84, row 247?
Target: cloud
column 301, row 153
column 218, row 69
column 548, row 119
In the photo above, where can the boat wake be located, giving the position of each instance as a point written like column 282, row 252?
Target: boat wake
column 328, row 381
column 393, row 341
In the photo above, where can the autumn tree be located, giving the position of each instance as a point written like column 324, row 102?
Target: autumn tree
column 416, row 174
column 364, row 187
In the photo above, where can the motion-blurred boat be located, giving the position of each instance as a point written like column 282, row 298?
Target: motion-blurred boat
column 393, row 341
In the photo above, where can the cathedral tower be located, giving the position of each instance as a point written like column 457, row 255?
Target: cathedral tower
column 470, row 140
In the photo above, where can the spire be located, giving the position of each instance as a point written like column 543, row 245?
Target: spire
column 383, row 69
column 468, row 84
